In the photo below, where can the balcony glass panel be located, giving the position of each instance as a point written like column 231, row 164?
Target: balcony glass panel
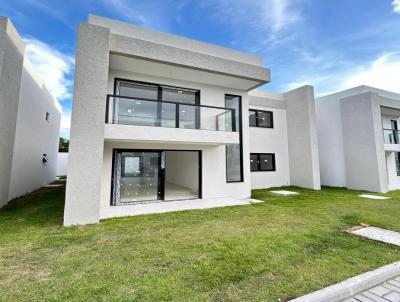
column 140, row 112
column 391, row 136
column 135, row 112
column 187, row 117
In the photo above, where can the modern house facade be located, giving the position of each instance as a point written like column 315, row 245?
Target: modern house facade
column 359, row 139
column 29, row 121
column 157, row 117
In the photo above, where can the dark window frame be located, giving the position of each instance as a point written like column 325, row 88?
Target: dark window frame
column 162, row 179
column 259, row 162
column 238, row 128
column 256, row 111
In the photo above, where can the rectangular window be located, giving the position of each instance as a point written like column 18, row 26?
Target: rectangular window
column 47, row 116
column 260, row 118
column 262, row 162
column 234, row 153
column 253, row 162
column 397, row 158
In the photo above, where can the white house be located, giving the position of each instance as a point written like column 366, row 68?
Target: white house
column 157, row 117
column 29, row 121
column 359, row 139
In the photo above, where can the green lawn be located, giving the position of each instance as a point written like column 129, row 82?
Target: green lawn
column 279, row 249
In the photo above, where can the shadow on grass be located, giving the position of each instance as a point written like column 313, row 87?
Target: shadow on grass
column 44, row 206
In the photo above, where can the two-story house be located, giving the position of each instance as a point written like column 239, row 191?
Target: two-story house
column 157, row 117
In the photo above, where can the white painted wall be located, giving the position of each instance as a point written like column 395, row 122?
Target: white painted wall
column 62, row 163
column 11, row 61
column 274, row 140
column 330, row 141
column 34, row 135
column 182, row 169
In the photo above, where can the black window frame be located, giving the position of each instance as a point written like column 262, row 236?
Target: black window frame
column 256, row 111
column 238, row 128
column 259, row 162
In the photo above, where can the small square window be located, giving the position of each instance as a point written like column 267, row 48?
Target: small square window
column 267, row 162
column 264, row 119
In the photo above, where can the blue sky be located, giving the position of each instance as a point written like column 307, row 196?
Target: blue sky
column 331, row 44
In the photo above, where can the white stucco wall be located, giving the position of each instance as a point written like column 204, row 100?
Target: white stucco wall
column 62, row 163
column 271, row 140
column 330, row 142
column 182, row 169
column 34, row 135
column 11, row 61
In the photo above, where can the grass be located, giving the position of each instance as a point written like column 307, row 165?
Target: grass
column 279, row 249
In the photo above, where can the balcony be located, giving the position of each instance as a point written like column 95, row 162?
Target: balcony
column 391, row 139
column 145, row 120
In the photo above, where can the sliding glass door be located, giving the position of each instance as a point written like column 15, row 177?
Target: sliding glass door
column 137, row 177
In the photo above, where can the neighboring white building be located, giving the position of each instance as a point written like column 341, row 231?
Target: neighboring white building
column 29, row 121
column 157, row 117
column 359, row 139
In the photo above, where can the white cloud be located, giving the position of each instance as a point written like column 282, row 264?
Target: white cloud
column 382, row 73
column 396, row 6
column 54, row 67
column 265, row 17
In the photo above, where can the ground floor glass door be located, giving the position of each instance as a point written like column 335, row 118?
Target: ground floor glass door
column 137, row 177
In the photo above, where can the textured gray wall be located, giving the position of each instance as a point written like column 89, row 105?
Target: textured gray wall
column 82, row 204
column 11, row 61
column 302, row 138
column 363, row 143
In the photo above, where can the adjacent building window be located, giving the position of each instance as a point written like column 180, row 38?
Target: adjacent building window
column 262, row 162
column 260, row 118
column 234, row 153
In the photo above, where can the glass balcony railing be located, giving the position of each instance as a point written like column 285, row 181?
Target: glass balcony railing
column 144, row 112
column 391, row 136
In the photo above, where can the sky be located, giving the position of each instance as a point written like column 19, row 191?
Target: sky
column 330, row 44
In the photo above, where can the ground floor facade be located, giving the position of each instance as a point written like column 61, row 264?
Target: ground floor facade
column 139, row 176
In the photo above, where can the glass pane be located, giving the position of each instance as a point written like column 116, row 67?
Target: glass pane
column 178, row 95
column 137, row 176
column 267, row 162
column 136, row 112
column 253, row 162
column 233, row 152
column 233, row 102
column 187, row 116
column 136, row 90
column 252, row 118
column 233, row 162
column 264, row 119
column 168, row 115
column 215, row 119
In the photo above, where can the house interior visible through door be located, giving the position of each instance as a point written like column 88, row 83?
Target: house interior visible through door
column 155, row 175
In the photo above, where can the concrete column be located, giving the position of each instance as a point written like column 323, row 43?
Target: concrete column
column 363, row 143
column 82, row 204
column 11, row 61
column 302, row 138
